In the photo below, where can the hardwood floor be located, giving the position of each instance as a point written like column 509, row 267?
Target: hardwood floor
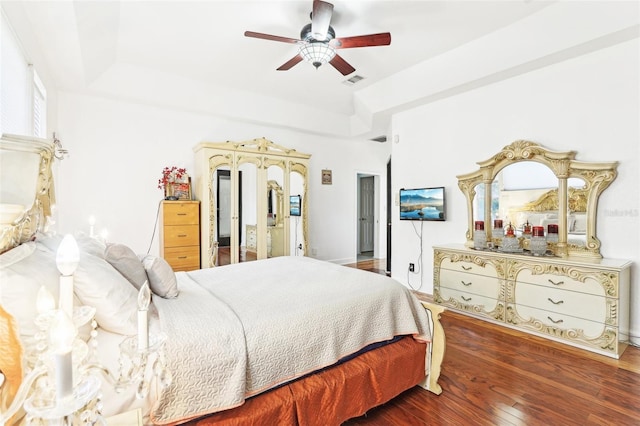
column 492, row 375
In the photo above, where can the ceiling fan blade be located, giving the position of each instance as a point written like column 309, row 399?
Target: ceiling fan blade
column 341, row 65
column 290, row 63
column 380, row 39
column 270, row 37
column 320, row 19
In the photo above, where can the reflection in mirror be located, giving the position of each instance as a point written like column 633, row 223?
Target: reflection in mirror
column 275, row 228
column 297, row 242
column 222, row 195
column 577, row 216
column 247, row 209
column 518, row 191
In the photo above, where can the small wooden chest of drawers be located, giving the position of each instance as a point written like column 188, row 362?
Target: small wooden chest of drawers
column 180, row 234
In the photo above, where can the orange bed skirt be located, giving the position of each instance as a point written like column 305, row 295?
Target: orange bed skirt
column 336, row 394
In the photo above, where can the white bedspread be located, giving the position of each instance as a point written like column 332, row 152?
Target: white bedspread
column 237, row 330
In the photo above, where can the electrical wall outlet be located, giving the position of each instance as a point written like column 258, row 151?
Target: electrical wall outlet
column 412, row 267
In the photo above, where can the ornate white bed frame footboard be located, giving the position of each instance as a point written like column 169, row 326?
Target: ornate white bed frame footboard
column 435, row 352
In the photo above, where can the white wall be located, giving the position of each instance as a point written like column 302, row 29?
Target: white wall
column 589, row 104
column 118, row 150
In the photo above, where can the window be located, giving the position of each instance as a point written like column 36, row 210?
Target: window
column 23, row 98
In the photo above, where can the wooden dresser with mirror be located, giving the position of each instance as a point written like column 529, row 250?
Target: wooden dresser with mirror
column 569, row 294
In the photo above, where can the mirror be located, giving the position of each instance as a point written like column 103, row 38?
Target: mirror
column 275, row 212
column 527, row 184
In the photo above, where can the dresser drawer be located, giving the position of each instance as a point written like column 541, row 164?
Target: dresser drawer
column 485, row 268
column 532, row 318
column 590, row 281
column 469, row 302
column 575, row 304
column 183, row 258
column 469, row 283
column 178, row 213
column 181, row 235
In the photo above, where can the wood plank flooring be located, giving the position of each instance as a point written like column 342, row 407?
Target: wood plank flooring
column 493, row 375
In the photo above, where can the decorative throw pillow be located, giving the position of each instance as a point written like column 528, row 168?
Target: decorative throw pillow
column 162, row 279
column 125, row 261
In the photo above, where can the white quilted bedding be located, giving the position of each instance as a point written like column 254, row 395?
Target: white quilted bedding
column 237, row 330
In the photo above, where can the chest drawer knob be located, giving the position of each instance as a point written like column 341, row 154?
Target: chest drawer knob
column 466, row 268
column 556, row 283
column 466, row 299
column 554, row 321
column 466, row 284
column 559, row 302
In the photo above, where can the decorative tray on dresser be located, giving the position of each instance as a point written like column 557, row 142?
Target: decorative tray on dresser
column 567, row 292
column 583, row 303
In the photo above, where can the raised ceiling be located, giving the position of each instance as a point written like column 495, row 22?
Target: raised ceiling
column 163, row 51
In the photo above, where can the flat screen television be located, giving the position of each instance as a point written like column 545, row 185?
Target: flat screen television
column 422, row 204
column 295, row 204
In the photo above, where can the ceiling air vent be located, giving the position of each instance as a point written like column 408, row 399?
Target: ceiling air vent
column 380, row 139
column 353, row 80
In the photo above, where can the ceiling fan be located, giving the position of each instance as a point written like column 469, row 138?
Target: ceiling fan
column 318, row 42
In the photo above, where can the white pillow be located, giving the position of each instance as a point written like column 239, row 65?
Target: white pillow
column 580, row 224
column 23, row 270
column 162, row 279
column 98, row 284
column 127, row 263
column 86, row 244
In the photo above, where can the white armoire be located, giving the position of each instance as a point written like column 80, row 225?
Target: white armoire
column 245, row 190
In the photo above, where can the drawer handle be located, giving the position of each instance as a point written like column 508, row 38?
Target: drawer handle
column 558, row 283
column 182, row 257
column 555, row 322
column 181, row 214
column 466, row 284
column 559, row 302
column 466, row 299
column 466, row 268
column 182, row 235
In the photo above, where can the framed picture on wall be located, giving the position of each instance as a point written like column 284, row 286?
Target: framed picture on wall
column 326, row 177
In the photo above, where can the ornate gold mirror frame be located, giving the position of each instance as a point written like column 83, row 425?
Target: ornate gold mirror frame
column 597, row 176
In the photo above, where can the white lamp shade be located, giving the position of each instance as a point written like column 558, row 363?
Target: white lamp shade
column 68, row 255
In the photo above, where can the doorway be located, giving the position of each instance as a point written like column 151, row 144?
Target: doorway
column 367, row 216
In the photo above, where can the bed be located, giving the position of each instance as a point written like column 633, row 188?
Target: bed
column 274, row 341
column 242, row 335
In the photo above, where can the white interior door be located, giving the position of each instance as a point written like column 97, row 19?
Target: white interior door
column 367, row 213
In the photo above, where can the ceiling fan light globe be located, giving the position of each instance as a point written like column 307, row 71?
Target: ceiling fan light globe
column 317, row 53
